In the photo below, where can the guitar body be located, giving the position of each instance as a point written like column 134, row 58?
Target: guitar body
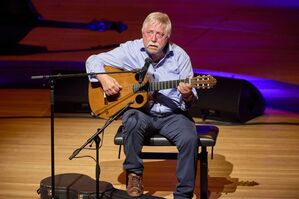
column 107, row 106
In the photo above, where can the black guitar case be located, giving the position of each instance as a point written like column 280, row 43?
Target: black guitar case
column 73, row 186
column 79, row 186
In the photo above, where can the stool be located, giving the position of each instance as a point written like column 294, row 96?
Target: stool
column 207, row 135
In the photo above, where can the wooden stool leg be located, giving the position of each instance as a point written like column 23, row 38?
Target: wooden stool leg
column 203, row 173
column 119, row 151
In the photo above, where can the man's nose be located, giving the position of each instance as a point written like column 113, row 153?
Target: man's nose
column 154, row 37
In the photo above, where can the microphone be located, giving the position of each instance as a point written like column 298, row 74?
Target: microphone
column 141, row 74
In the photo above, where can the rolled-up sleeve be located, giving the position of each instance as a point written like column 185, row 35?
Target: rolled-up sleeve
column 123, row 57
column 94, row 64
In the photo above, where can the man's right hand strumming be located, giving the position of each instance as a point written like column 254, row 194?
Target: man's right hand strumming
column 109, row 84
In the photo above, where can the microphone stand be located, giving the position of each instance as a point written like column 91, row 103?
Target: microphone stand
column 142, row 72
column 51, row 81
column 97, row 140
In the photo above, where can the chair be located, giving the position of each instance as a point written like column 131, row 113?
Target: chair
column 207, row 136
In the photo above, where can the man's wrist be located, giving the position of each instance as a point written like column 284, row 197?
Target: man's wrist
column 188, row 98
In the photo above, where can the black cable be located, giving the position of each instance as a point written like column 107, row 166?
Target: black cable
column 86, row 156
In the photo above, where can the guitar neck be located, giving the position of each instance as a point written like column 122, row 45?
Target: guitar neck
column 153, row 86
column 199, row 82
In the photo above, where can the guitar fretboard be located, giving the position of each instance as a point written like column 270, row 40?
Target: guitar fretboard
column 153, row 86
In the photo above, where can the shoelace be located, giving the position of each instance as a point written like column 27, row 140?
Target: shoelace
column 136, row 181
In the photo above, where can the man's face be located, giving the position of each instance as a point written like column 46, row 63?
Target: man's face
column 154, row 38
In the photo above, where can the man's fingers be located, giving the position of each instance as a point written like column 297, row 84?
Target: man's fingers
column 184, row 87
column 113, row 88
column 117, row 85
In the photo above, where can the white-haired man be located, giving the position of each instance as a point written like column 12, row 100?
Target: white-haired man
column 165, row 111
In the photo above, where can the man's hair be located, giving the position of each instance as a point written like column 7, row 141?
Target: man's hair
column 159, row 17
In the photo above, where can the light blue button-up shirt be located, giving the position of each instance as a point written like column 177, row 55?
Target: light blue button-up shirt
column 131, row 55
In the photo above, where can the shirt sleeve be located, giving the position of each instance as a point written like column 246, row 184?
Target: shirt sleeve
column 96, row 63
column 120, row 57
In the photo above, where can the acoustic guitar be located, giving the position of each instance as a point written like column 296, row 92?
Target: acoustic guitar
column 134, row 93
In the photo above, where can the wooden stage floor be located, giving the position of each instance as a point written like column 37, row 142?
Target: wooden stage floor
column 258, row 159
column 259, row 39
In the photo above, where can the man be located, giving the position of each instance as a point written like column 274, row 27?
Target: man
column 164, row 112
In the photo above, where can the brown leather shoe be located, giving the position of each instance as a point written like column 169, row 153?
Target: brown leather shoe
column 134, row 185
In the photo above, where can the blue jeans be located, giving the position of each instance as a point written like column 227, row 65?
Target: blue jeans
column 177, row 128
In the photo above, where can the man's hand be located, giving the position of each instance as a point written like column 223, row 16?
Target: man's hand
column 186, row 91
column 109, row 84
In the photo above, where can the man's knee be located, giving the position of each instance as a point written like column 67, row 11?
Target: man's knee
column 134, row 120
column 129, row 118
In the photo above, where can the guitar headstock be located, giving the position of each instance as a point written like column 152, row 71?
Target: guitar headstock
column 203, row 82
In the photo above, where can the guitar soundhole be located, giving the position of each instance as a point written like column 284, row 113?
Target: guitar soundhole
column 139, row 99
